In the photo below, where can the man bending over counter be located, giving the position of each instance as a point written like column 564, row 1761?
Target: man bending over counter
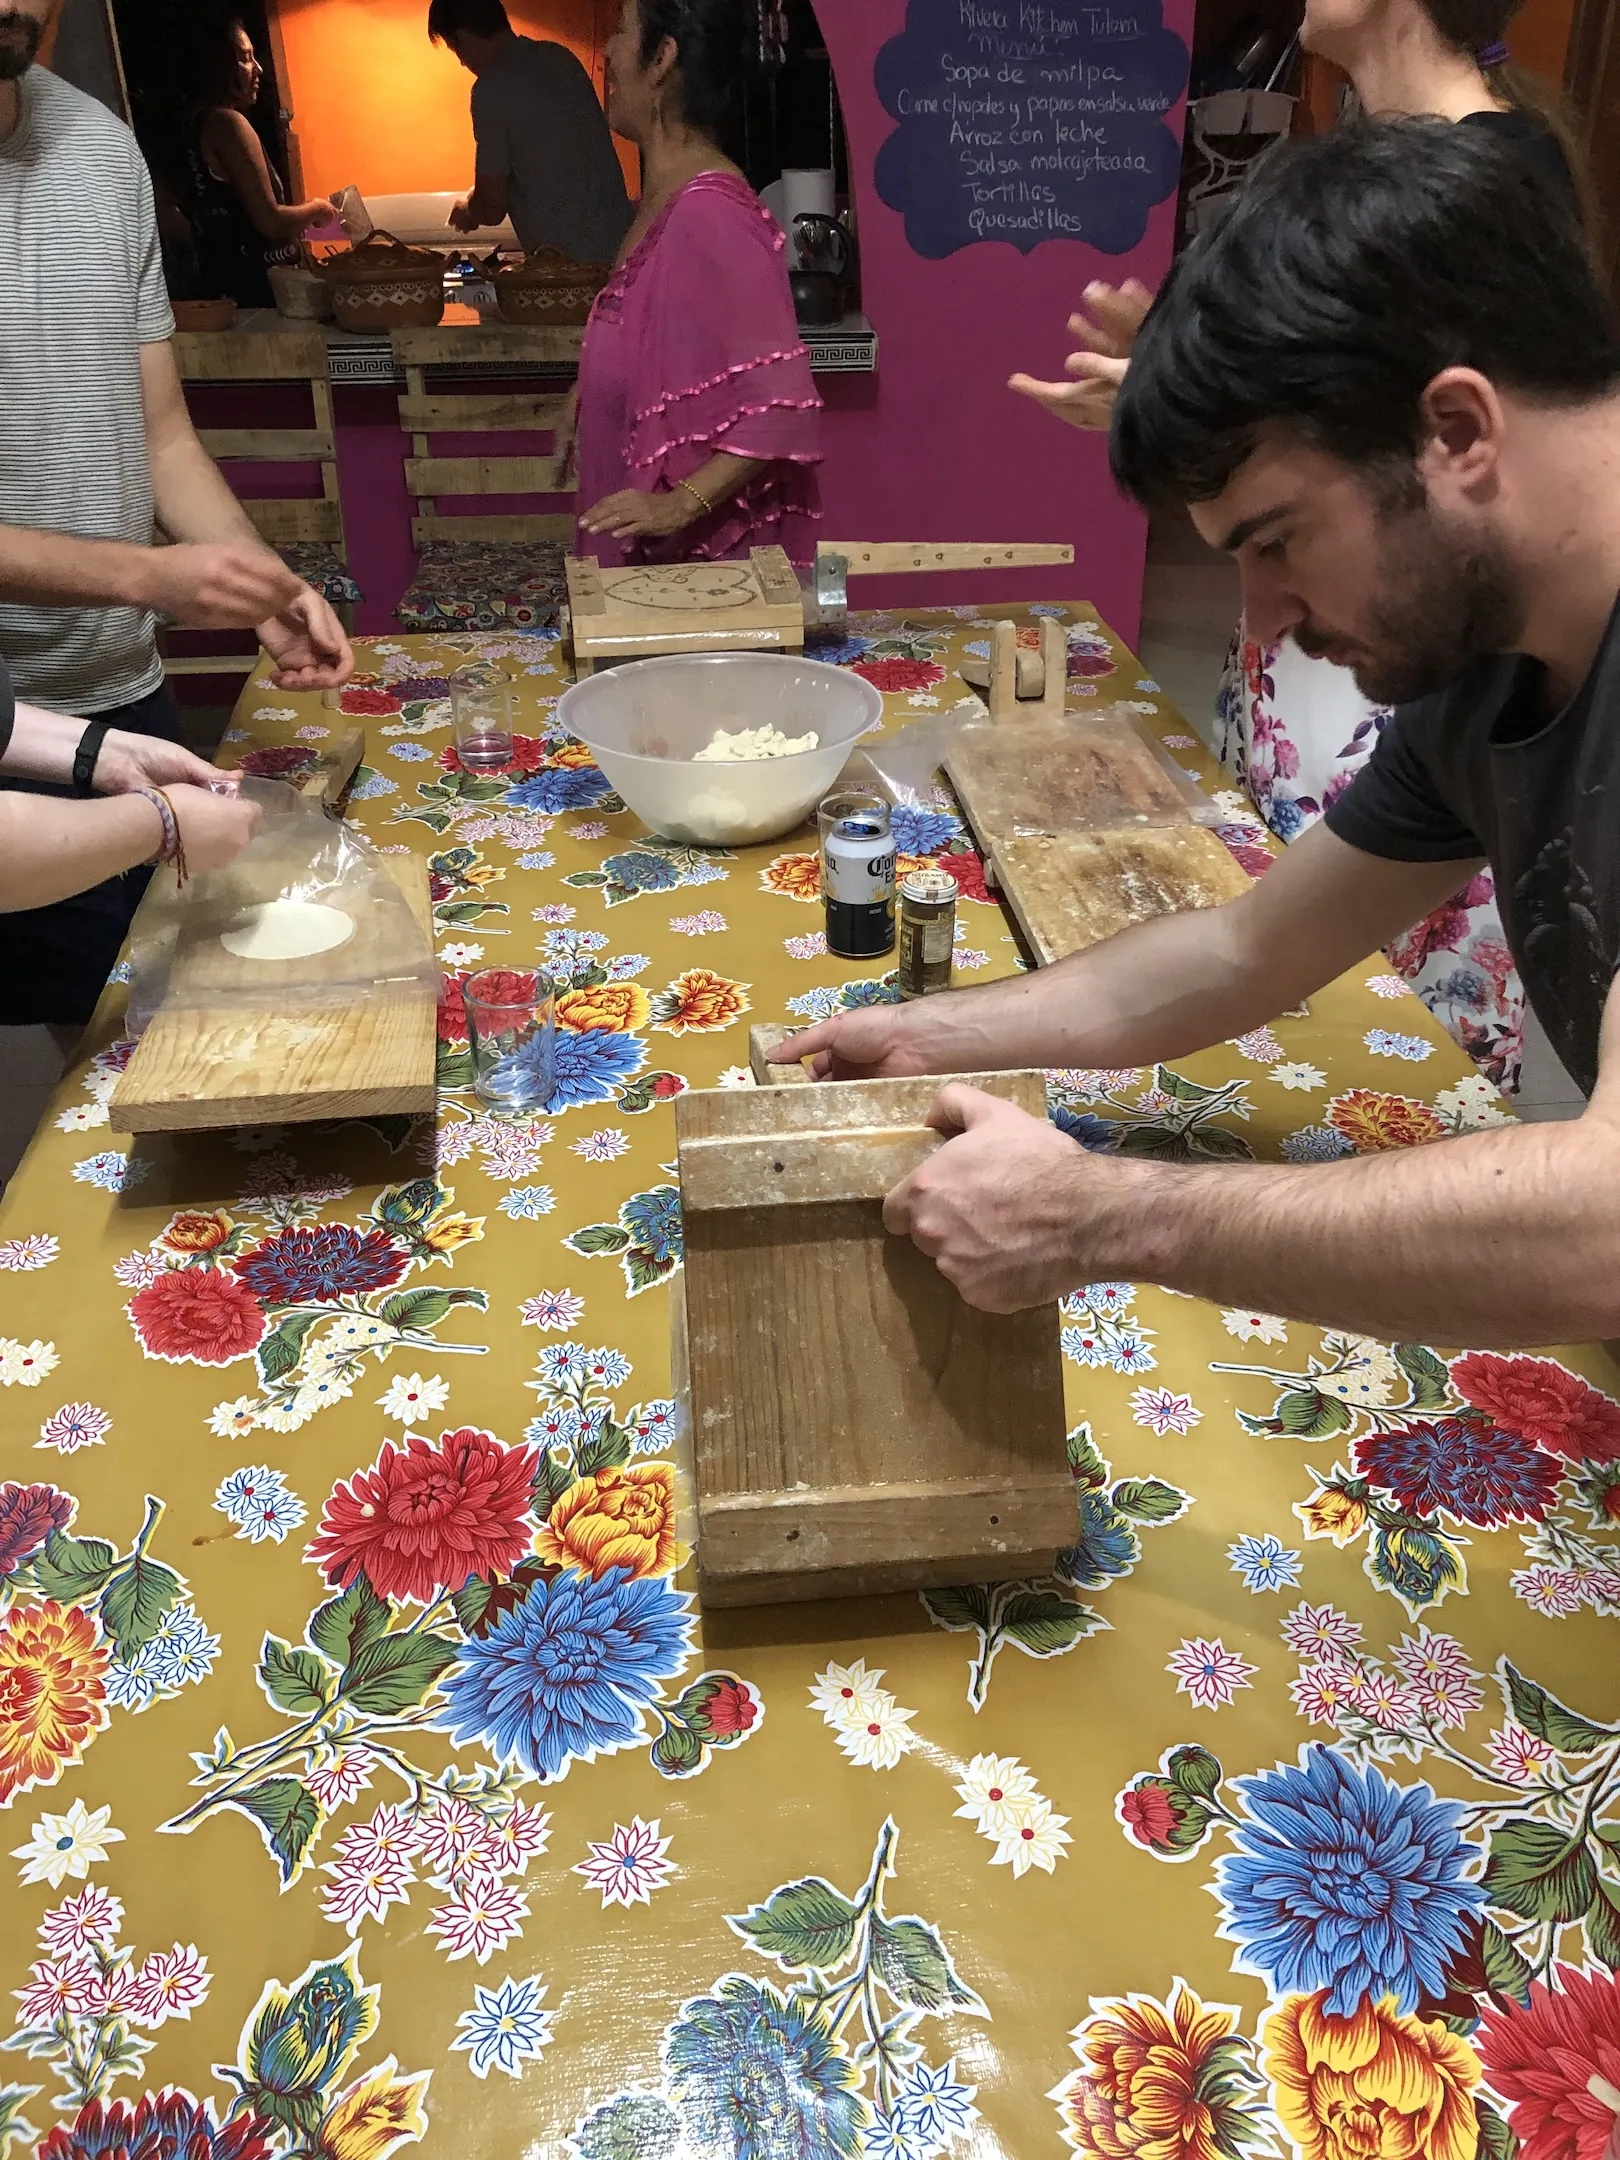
column 1388, row 385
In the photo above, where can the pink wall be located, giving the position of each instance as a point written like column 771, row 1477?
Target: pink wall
column 935, row 447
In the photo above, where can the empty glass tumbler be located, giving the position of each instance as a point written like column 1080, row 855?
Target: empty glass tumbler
column 511, row 1031
column 481, row 714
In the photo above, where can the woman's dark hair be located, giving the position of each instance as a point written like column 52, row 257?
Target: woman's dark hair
column 1351, row 269
column 478, row 18
column 717, row 46
column 211, row 70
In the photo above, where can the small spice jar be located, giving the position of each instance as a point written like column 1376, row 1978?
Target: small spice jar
column 927, row 932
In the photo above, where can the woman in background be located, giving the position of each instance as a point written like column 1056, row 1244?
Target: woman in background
column 698, row 422
column 240, row 220
column 1293, row 729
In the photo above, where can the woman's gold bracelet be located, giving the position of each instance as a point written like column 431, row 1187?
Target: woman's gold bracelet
column 696, row 496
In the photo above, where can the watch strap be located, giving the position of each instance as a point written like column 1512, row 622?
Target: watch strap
column 84, row 758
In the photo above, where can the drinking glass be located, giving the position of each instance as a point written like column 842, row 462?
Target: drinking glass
column 511, row 1031
column 481, row 713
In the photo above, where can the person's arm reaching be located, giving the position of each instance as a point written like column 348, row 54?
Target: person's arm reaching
column 232, row 147
column 485, row 206
column 669, row 510
column 50, row 850
column 304, row 638
column 1161, row 990
column 229, row 585
column 1106, row 333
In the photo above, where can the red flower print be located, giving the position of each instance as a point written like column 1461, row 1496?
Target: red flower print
column 429, row 1516
column 730, row 1710
column 968, row 870
column 281, row 762
column 169, row 2125
column 28, row 1515
column 1544, row 2060
column 1542, row 1402
column 452, row 1010
column 505, row 986
column 667, row 1085
column 889, row 675
column 197, row 1316
column 1245, row 849
column 1149, row 1814
column 368, row 701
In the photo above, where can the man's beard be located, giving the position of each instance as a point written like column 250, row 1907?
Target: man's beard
column 19, row 41
column 1443, row 603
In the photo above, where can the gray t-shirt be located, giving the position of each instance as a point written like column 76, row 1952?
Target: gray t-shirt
column 82, row 280
column 537, row 120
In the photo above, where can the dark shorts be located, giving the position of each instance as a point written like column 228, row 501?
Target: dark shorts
column 54, row 961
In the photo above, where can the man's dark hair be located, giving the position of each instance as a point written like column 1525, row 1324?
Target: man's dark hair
column 478, row 18
column 1350, row 270
column 717, row 45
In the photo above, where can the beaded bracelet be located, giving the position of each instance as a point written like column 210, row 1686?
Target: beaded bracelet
column 696, row 496
column 173, row 849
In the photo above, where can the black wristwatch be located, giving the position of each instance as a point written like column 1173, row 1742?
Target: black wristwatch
column 84, row 758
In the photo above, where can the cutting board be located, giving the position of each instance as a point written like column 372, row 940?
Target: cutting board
column 692, row 607
column 1075, row 889
column 856, row 1426
column 198, row 1068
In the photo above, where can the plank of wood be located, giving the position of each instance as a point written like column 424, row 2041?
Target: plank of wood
column 280, row 519
column 843, row 1541
column 250, row 355
column 824, row 1354
column 1075, row 890
column 202, row 1066
column 761, row 1042
column 887, row 558
column 285, row 446
column 778, row 580
column 514, row 415
column 484, row 476
column 688, row 607
column 334, row 767
column 465, row 344
column 554, row 526
column 1046, row 774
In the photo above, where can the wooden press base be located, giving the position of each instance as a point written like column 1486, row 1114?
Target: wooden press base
column 197, row 1070
column 857, row 1428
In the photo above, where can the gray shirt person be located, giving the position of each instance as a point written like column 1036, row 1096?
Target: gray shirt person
column 538, row 123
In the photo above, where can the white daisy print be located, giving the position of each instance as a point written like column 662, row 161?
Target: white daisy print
column 25, row 1364
column 630, row 1866
column 70, row 1844
column 413, row 1396
column 993, row 1789
column 1255, row 1326
column 841, row 1689
column 460, row 956
column 1300, row 1078
column 877, row 1737
column 1036, row 1840
column 1209, row 1672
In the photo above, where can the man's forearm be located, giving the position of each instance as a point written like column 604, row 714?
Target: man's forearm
column 63, row 570
column 193, row 502
column 1503, row 1239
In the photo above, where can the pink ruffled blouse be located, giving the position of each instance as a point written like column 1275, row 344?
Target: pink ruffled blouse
column 692, row 348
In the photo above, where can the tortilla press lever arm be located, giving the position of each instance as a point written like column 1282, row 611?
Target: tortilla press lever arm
column 826, row 598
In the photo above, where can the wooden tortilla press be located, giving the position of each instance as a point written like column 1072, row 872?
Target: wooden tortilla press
column 857, row 1428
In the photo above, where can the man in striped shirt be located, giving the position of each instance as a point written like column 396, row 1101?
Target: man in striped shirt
column 96, row 451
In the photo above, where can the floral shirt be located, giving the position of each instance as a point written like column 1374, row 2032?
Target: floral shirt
column 1295, row 732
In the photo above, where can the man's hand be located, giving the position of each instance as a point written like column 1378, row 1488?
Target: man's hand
column 217, row 585
column 129, row 761
column 461, row 218
column 998, row 1208
column 214, row 829
column 630, row 514
column 1106, row 327
column 307, row 644
column 883, row 1042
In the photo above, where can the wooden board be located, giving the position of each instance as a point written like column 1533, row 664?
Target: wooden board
column 634, row 612
column 1045, row 774
column 856, row 1427
column 1075, row 890
column 891, row 558
column 197, row 1069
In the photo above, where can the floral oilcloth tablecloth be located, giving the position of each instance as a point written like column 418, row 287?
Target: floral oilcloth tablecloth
column 372, row 1777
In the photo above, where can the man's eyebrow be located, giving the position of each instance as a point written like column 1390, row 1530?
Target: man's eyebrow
column 1246, row 528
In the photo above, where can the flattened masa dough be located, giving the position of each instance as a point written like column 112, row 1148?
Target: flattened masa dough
column 288, row 930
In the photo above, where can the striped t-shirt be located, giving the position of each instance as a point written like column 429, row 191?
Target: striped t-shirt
column 81, row 291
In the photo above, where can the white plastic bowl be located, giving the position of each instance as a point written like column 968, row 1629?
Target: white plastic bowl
column 646, row 720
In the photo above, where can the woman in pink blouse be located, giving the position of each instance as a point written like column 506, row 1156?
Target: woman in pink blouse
column 698, row 422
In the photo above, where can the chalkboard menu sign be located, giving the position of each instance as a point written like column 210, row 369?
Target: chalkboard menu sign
column 1029, row 120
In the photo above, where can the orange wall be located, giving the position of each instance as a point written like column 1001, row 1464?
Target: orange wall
column 375, row 105
column 1538, row 37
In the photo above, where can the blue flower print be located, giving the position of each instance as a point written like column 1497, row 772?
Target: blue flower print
column 642, row 870
column 526, row 1203
column 410, row 753
column 934, row 2105
column 556, row 1427
column 1383, row 1042
column 1285, row 818
column 923, row 832
column 838, row 652
column 559, row 788
column 758, row 2077
column 654, row 1221
column 112, row 1171
column 1097, row 1135
column 368, row 784
column 817, row 1004
column 505, row 2028
column 588, row 1065
column 1108, row 1547
column 625, row 967
column 561, row 1362
column 1345, row 1881
column 566, row 1675
column 1315, row 1143
column 1265, row 1563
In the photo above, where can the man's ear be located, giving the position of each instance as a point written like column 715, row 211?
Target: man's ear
column 1464, row 426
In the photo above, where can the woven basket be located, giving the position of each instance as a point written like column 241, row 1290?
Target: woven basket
column 381, row 284
column 548, row 291
column 302, row 294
